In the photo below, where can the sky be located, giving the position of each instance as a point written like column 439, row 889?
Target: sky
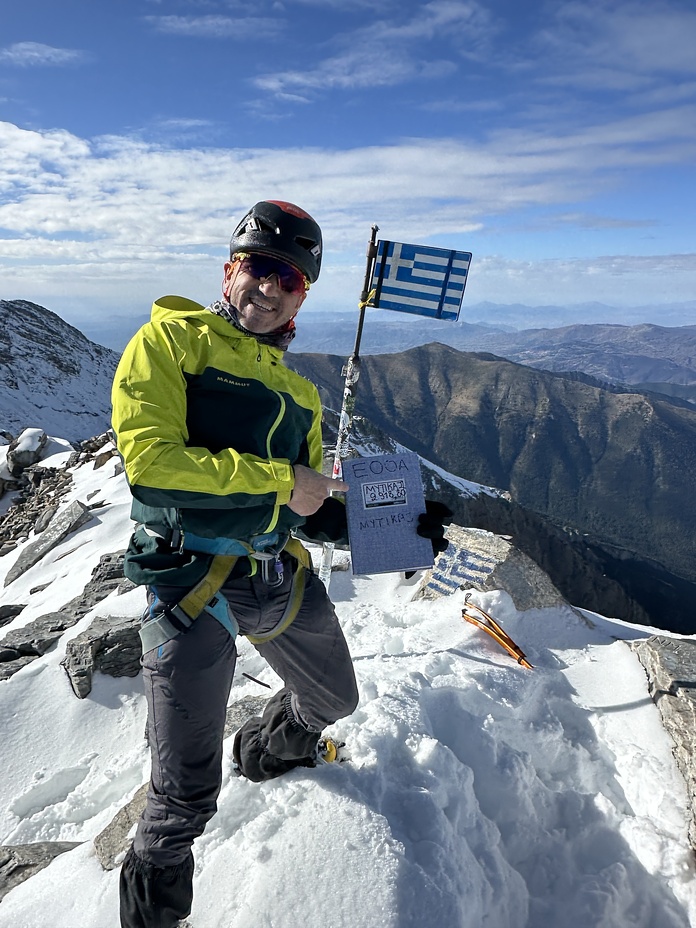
column 555, row 141
column 478, row 794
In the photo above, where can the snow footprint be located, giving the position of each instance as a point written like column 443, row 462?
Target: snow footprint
column 50, row 790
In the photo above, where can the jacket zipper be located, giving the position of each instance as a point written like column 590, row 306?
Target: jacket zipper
column 279, row 418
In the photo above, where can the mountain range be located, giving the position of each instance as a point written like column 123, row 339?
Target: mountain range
column 656, row 358
column 599, row 480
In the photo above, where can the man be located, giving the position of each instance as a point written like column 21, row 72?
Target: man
column 222, row 449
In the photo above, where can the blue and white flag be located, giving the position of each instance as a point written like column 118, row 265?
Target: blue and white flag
column 418, row 279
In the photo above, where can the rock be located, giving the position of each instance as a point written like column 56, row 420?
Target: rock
column 241, row 710
column 25, row 450
column 670, row 664
column 111, row 645
column 44, row 519
column 92, row 445
column 37, row 637
column 40, row 490
column 111, row 843
column 9, row 612
column 104, row 456
column 74, row 517
column 19, row 862
column 25, row 644
column 479, row 560
column 13, row 664
column 40, row 588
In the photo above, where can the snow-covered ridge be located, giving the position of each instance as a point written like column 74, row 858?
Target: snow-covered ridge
column 51, row 374
column 479, row 793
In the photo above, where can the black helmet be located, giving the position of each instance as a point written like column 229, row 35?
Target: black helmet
column 283, row 230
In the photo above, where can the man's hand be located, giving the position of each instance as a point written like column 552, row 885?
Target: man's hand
column 311, row 489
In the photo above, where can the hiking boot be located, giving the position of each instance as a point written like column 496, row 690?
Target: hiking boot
column 330, row 751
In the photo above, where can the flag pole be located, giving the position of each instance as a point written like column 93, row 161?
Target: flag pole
column 351, row 373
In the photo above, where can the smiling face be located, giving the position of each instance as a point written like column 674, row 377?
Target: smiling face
column 262, row 304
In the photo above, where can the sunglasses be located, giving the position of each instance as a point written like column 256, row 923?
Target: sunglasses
column 261, row 266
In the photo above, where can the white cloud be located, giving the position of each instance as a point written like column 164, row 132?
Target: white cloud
column 652, row 36
column 392, row 51
column 35, row 54
column 218, row 27
column 630, row 48
column 123, row 189
column 348, row 5
column 581, row 220
column 619, row 280
column 105, row 215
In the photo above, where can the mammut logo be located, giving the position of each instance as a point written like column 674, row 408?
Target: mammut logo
column 232, row 382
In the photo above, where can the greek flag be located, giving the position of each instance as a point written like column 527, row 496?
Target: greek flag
column 421, row 280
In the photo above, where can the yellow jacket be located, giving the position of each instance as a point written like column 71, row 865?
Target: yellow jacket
column 209, row 424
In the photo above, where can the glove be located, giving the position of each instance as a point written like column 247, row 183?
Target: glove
column 328, row 523
column 432, row 522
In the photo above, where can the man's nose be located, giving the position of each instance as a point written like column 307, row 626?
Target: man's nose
column 272, row 282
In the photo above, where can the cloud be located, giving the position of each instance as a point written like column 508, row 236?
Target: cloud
column 126, row 193
column 620, row 280
column 218, row 27
column 601, row 46
column 34, row 54
column 594, row 222
column 640, row 36
column 392, row 51
column 113, row 212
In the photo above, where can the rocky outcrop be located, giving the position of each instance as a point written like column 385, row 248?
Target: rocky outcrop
column 9, row 612
column 40, row 490
column 112, row 843
column 479, row 560
column 670, row 664
column 19, row 862
column 110, row 645
column 22, row 645
column 62, row 524
column 25, row 450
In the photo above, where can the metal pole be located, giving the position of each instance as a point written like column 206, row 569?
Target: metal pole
column 351, row 373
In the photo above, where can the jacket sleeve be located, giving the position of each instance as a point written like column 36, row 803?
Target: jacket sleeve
column 149, row 420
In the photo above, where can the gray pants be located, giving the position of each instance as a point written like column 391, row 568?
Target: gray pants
column 187, row 685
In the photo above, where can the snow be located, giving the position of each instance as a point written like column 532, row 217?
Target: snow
column 479, row 794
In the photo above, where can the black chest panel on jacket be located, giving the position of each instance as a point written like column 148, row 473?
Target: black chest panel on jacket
column 225, row 411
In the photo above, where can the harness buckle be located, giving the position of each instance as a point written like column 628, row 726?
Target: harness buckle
column 265, row 558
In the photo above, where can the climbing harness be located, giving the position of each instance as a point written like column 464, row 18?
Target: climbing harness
column 161, row 626
column 489, row 625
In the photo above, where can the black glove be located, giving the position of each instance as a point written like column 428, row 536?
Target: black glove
column 432, row 522
column 328, row 523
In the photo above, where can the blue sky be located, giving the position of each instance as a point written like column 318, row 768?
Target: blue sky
column 556, row 141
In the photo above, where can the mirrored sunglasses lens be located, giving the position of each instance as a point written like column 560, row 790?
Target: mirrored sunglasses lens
column 291, row 280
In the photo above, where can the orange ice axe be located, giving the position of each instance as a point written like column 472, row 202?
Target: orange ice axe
column 489, row 625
